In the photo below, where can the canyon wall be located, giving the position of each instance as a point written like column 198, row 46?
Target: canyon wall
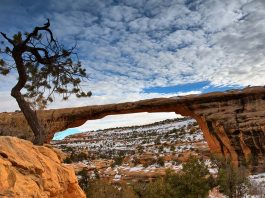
column 233, row 122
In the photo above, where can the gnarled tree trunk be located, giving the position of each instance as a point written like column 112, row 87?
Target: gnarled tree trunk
column 29, row 114
column 31, row 118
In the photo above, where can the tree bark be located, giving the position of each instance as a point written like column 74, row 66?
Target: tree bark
column 29, row 114
column 31, row 117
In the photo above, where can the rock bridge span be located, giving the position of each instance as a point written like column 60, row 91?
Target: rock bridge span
column 233, row 122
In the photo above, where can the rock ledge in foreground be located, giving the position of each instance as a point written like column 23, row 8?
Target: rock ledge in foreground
column 27, row 170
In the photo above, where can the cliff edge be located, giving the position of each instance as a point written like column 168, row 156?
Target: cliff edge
column 27, row 170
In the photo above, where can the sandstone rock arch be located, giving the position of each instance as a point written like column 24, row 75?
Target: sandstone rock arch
column 233, row 122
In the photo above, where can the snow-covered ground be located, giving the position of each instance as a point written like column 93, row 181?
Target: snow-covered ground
column 125, row 139
column 258, row 185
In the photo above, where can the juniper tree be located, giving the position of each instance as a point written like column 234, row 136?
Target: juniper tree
column 45, row 68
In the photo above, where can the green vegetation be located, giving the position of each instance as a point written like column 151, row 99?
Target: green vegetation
column 233, row 182
column 84, row 180
column 172, row 148
column 161, row 161
column 157, row 140
column 98, row 188
column 140, row 149
column 194, row 181
column 76, row 157
column 118, row 160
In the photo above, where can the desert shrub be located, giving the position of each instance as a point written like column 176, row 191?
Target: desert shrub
column 103, row 189
column 172, row 148
column 161, row 149
column 174, row 130
column 154, row 189
column 118, row 160
column 161, row 161
column 192, row 130
column 166, row 135
column 157, row 140
column 233, row 181
column 136, row 161
column 140, row 149
column 194, row 124
column 66, row 148
column 83, row 180
column 76, row 157
column 99, row 188
column 193, row 182
column 177, row 161
column 67, row 160
column 96, row 174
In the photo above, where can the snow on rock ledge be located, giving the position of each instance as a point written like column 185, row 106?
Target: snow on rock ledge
column 27, row 170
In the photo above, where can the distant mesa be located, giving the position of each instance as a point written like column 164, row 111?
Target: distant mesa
column 233, row 122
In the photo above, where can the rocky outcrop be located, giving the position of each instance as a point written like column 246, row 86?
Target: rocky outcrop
column 233, row 122
column 34, row 171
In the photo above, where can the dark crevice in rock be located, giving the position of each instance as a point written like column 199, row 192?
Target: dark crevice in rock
column 212, row 131
column 4, row 155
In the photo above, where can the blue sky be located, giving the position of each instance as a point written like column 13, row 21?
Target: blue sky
column 203, row 87
column 138, row 49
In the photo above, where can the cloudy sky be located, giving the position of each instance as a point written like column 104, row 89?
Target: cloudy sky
column 136, row 49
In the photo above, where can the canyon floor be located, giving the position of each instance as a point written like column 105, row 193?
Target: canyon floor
column 140, row 153
column 136, row 153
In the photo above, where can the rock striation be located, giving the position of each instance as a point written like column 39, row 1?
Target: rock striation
column 233, row 122
column 34, row 171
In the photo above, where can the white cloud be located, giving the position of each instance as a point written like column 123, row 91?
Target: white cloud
column 133, row 45
column 118, row 97
column 126, row 120
column 8, row 103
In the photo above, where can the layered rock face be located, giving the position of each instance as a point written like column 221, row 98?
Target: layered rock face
column 34, row 171
column 233, row 122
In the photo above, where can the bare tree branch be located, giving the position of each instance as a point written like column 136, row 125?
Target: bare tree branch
column 8, row 39
column 37, row 29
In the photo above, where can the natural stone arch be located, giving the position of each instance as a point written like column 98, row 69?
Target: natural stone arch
column 233, row 123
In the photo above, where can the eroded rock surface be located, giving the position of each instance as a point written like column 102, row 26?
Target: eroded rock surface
column 233, row 122
column 34, row 171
